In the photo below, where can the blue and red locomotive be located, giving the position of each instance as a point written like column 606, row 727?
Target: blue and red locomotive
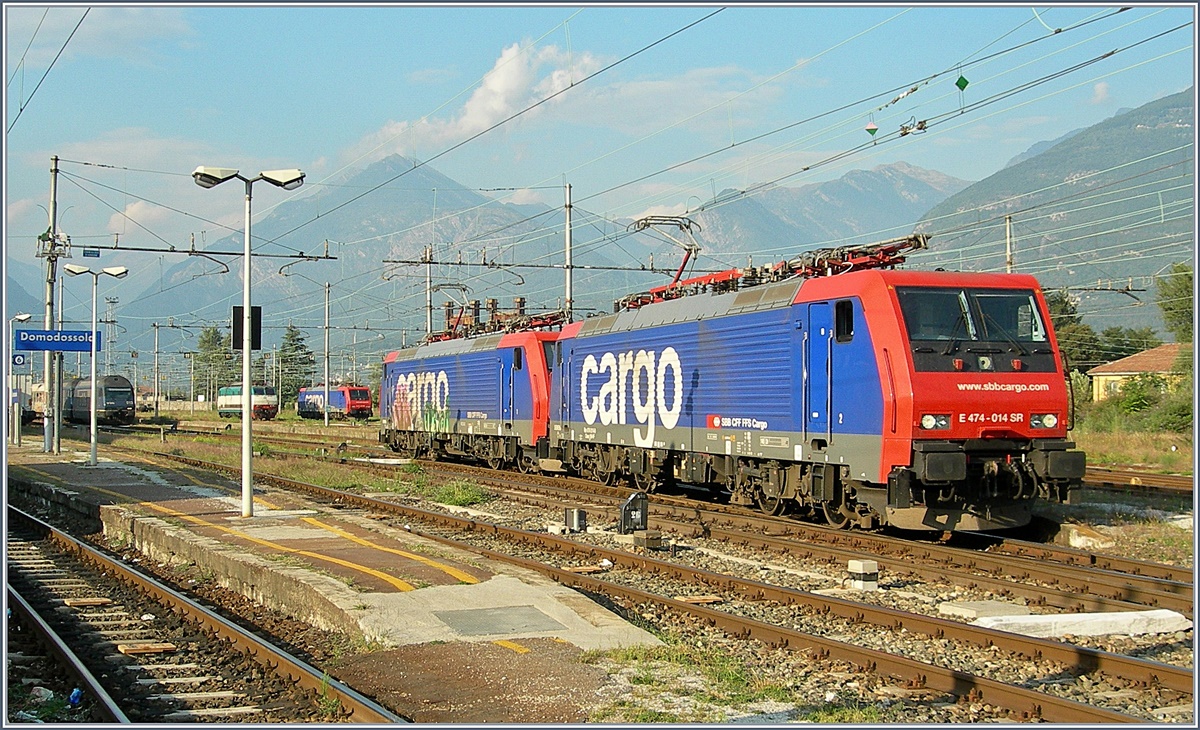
column 830, row 384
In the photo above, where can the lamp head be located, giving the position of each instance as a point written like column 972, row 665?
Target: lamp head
column 286, row 179
column 22, row 317
column 207, row 177
column 117, row 271
column 76, row 269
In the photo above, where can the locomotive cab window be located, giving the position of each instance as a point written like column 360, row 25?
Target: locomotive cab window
column 517, row 353
column 843, row 315
column 989, row 315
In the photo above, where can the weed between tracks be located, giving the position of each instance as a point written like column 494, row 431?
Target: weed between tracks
column 681, row 682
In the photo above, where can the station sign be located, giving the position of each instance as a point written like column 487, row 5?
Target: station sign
column 19, row 359
column 56, row 340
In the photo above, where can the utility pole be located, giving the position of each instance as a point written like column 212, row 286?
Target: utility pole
column 325, row 407
column 429, row 289
column 570, row 296
column 60, row 370
column 52, row 246
column 1008, row 252
column 110, row 338
column 155, row 326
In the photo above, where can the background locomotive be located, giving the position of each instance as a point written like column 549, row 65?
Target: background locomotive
column 830, row 384
column 264, row 403
column 114, row 395
column 345, row 401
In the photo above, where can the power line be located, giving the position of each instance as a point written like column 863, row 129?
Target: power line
column 24, row 104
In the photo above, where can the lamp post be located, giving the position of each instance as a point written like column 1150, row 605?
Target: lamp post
column 15, row 404
column 207, row 177
column 114, row 271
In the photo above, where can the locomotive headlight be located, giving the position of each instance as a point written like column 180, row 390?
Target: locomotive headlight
column 1043, row 420
column 930, row 422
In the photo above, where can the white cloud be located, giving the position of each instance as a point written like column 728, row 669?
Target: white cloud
column 137, row 214
column 521, row 77
column 665, row 210
column 128, row 33
column 18, row 208
column 525, row 196
column 1100, row 93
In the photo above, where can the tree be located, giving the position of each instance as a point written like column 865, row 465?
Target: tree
column 216, row 364
column 1175, row 300
column 298, row 365
column 1078, row 341
column 1119, row 342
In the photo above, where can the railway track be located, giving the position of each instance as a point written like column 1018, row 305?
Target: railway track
column 1025, row 702
column 1133, row 480
column 356, row 438
column 163, row 656
column 1111, row 577
column 41, row 661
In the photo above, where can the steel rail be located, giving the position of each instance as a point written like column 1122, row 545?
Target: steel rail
column 1082, row 659
column 1126, row 479
column 669, row 520
column 1148, row 584
column 361, row 709
column 107, row 708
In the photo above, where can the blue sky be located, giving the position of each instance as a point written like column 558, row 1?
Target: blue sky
column 155, row 91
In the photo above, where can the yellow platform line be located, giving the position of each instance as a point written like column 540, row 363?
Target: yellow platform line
column 512, row 645
column 395, row 582
column 391, row 580
column 447, row 569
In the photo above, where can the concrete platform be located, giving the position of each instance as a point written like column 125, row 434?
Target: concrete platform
column 1129, row 623
column 335, row 569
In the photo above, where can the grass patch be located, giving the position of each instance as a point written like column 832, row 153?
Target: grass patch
column 1149, row 450
column 842, row 714
column 710, row 677
column 459, row 493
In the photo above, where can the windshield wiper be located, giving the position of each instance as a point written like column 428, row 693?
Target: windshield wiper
column 952, row 345
column 1004, row 333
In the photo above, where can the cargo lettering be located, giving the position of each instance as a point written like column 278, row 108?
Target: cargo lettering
column 422, row 401
column 642, row 378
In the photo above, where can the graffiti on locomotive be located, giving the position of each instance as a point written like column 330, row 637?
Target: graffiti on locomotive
column 650, row 382
column 422, row 401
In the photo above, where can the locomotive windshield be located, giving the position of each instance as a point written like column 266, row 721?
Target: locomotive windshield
column 989, row 315
column 360, row 393
column 118, row 397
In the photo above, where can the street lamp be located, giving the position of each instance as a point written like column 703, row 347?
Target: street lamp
column 114, row 271
column 207, row 177
column 16, row 390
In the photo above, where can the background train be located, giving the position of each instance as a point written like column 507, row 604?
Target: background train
column 114, row 394
column 345, row 401
column 828, row 385
column 264, row 402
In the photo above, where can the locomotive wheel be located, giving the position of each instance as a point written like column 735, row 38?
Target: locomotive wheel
column 775, row 506
column 526, row 465
column 835, row 516
column 646, row 482
column 496, row 463
column 607, row 478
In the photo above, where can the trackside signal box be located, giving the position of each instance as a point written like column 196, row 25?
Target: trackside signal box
column 634, row 514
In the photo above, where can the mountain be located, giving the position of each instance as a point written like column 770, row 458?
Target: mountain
column 1100, row 211
column 20, row 300
column 422, row 207
column 1039, row 147
column 862, row 206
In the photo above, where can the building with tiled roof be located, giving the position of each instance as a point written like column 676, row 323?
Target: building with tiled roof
column 1107, row 378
